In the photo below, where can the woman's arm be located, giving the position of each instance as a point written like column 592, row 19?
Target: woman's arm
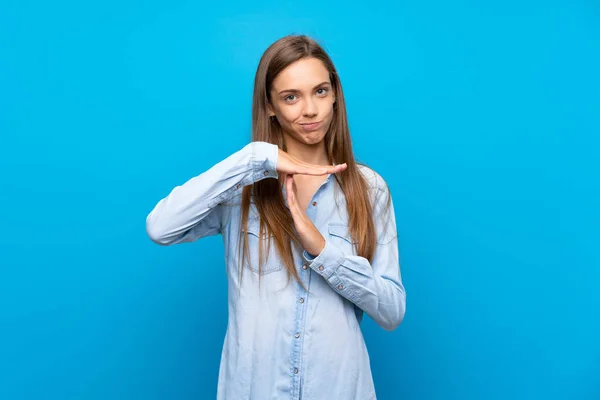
column 375, row 287
column 191, row 211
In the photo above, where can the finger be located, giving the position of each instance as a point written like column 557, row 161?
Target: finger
column 291, row 195
column 291, row 198
column 289, row 190
column 310, row 169
column 295, row 187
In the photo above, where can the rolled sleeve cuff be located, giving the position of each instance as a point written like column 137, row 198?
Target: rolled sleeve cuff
column 264, row 160
column 327, row 264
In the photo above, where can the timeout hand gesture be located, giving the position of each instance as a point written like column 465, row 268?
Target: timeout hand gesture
column 291, row 165
column 310, row 237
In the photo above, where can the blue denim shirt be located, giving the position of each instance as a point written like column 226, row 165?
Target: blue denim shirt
column 283, row 342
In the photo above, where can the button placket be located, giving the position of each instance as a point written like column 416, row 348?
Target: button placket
column 301, row 311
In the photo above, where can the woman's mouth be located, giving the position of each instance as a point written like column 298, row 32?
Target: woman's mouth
column 313, row 126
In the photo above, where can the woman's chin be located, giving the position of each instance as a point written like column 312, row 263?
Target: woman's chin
column 312, row 138
column 308, row 138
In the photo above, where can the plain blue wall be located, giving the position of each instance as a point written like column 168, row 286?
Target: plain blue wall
column 484, row 120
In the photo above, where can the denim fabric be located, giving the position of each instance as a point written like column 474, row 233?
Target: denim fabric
column 283, row 342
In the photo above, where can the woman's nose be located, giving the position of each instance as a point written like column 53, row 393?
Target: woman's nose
column 310, row 108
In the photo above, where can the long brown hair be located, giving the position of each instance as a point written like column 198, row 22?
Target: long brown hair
column 267, row 194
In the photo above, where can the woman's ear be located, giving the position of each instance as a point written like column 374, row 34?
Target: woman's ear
column 270, row 110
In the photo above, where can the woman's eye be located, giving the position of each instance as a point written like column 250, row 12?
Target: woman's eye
column 323, row 91
column 289, row 98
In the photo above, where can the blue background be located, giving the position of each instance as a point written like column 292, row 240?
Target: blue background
column 483, row 118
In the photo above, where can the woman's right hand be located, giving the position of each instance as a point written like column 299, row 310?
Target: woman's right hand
column 291, row 165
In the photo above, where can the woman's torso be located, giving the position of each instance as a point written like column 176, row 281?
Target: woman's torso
column 283, row 341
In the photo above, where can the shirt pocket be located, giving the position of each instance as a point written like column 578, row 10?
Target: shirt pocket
column 339, row 234
column 272, row 262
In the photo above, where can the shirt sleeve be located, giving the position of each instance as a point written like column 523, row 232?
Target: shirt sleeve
column 192, row 210
column 376, row 287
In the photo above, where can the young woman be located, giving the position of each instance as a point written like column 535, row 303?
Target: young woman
column 309, row 235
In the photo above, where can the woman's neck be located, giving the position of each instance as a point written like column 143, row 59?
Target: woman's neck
column 310, row 153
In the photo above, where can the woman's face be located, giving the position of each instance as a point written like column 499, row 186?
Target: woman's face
column 302, row 100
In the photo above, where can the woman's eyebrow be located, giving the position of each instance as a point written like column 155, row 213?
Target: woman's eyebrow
column 297, row 91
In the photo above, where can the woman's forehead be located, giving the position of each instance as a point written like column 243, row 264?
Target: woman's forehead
column 303, row 74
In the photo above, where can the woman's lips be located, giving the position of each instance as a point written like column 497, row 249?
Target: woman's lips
column 311, row 127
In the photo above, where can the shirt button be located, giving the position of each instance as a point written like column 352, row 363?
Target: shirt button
column 297, row 335
column 314, row 203
column 304, row 266
column 340, row 287
column 301, row 300
column 295, row 370
column 320, row 268
column 266, row 173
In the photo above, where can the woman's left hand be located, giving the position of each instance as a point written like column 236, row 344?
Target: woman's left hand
column 310, row 237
